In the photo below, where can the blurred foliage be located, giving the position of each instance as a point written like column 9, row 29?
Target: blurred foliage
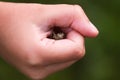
column 102, row 60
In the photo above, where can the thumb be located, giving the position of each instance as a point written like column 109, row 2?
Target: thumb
column 71, row 16
column 82, row 24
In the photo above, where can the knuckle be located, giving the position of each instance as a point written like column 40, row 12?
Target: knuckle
column 77, row 9
column 34, row 75
column 35, row 72
column 77, row 6
column 79, row 52
column 33, row 60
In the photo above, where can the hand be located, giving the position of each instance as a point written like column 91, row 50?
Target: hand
column 24, row 29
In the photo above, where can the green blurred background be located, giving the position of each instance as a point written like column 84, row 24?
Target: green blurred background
column 102, row 60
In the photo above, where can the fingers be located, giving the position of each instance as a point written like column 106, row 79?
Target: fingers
column 57, row 67
column 70, row 16
column 63, row 50
column 40, row 72
column 76, row 37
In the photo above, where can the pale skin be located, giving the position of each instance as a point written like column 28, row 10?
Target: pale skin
column 23, row 37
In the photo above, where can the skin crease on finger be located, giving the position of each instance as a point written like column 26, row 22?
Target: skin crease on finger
column 24, row 35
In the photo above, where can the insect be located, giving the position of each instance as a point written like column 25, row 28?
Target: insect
column 57, row 34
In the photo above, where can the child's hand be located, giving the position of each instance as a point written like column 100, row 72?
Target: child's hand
column 24, row 29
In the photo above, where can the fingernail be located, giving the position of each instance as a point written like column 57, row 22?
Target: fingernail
column 93, row 28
